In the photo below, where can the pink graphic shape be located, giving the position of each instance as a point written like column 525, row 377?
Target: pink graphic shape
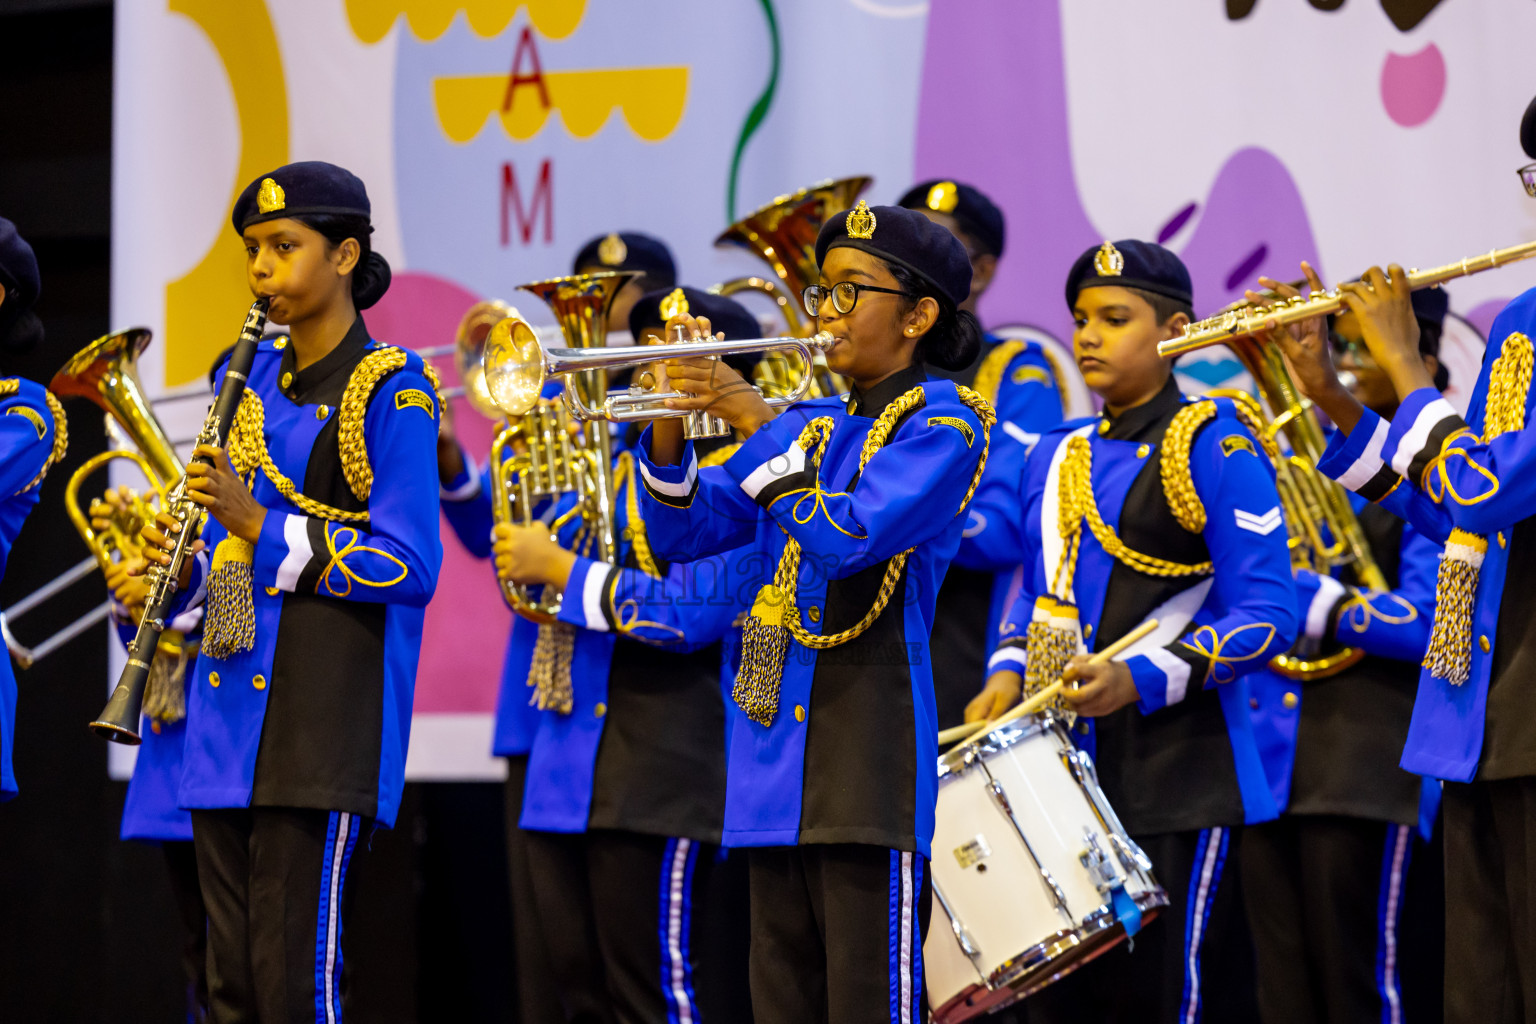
column 1413, row 86
column 993, row 112
column 465, row 635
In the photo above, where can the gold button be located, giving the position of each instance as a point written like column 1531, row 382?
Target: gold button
column 321, row 412
column 799, row 713
column 154, row 726
column 1088, row 631
column 600, row 710
column 1482, row 642
column 287, row 379
column 272, row 591
column 1253, row 702
column 213, row 679
column 813, row 613
column 260, row 682
column 1501, row 538
column 1082, row 727
column 280, row 343
column 1103, row 426
column 1142, row 451
column 1291, row 700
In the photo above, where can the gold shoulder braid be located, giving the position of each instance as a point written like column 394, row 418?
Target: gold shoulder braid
column 229, row 624
column 1450, row 639
column 634, row 528
column 775, row 617
column 11, row 386
column 989, row 375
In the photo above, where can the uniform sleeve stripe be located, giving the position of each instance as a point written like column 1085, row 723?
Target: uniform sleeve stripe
column 1019, row 434
column 1175, row 671
column 678, row 494
column 470, row 488
column 1437, row 417
column 1363, row 469
column 1380, row 485
column 1007, row 658
column 1329, row 592
column 1434, row 445
column 300, row 551
column 777, row 476
column 592, row 596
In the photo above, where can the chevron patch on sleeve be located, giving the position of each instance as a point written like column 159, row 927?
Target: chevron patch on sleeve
column 1263, row 525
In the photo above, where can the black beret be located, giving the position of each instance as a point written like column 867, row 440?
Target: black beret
column 906, row 238
column 18, row 270
column 1131, row 264
column 974, row 213
column 1528, row 130
column 313, row 186
column 724, row 314
column 1430, row 305
column 629, row 250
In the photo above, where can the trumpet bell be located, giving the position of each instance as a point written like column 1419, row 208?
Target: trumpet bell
column 469, row 353
column 106, row 372
column 512, row 367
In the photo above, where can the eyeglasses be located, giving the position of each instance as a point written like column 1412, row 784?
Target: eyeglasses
column 845, row 295
column 1528, row 178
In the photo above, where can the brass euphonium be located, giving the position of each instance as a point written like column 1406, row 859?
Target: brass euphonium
column 783, row 234
column 543, row 452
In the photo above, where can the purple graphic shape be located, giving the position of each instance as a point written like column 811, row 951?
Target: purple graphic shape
column 993, row 112
column 1176, row 223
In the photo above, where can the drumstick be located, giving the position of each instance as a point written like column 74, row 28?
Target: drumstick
column 1040, row 699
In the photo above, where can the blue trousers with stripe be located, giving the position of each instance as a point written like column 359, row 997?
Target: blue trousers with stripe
column 1325, row 897
column 837, row 934
column 274, row 881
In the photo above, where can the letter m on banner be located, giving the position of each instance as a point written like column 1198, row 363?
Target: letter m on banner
column 527, row 217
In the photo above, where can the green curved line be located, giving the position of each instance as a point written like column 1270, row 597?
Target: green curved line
column 756, row 115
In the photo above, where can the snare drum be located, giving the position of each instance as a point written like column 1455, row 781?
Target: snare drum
column 1033, row 875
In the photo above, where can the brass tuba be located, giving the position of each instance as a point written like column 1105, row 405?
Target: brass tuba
column 106, row 373
column 783, row 235
column 1323, row 532
column 544, row 452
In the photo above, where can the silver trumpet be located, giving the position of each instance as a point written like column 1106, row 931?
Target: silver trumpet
column 517, row 365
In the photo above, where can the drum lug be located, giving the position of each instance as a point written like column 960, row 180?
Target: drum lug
column 1101, row 871
column 1130, row 854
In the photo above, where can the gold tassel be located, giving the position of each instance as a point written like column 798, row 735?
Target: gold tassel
column 764, row 642
column 229, row 626
column 1053, row 636
column 165, row 698
column 1450, row 641
column 550, row 673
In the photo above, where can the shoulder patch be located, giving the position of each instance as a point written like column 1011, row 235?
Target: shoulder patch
column 411, row 397
column 1234, row 443
column 957, row 423
column 1031, row 374
column 31, row 414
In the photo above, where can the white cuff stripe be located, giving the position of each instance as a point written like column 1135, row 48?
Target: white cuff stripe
column 201, row 593
column 1424, row 424
column 592, row 596
column 296, row 536
column 1005, row 657
column 1369, row 463
column 1328, row 593
column 667, row 487
column 468, row 489
column 786, row 464
column 1175, row 671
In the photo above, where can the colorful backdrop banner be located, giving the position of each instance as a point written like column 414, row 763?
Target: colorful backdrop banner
column 497, row 136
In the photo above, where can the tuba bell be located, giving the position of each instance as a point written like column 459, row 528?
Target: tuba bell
column 783, row 235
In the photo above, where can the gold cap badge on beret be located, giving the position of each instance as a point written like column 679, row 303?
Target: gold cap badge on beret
column 612, row 251
column 861, row 222
column 1108, row 262
column 943, row 197
column 270, row 198
column 675, row 304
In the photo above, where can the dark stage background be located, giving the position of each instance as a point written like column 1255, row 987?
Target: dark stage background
column 88, row 928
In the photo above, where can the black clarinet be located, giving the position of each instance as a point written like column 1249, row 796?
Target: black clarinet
column 119, row 720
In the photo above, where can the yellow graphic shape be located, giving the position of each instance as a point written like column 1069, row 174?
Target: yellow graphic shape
column 652, row 100
column 429, row 19
column 203, row 309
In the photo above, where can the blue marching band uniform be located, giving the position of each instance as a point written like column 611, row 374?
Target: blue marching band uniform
column 754, row 668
